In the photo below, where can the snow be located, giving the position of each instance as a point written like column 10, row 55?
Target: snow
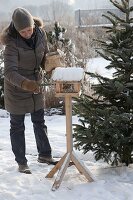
column 111, row 183
column 4, row 113
column 93, row 25
column 67, row 74
column 97, row 65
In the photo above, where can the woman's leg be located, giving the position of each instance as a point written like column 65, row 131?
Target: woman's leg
column 17, row 136
column 40, row 130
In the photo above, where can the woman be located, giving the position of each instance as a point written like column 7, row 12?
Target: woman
column 25, row 49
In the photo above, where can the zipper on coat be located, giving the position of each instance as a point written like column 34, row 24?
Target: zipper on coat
column 33, row 102
column 35, row 77
column 35, row 68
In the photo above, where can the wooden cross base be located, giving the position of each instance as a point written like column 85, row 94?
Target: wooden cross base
column 62, row 166
column 63, row 163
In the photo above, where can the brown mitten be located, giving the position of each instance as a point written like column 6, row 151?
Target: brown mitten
column 31, row 86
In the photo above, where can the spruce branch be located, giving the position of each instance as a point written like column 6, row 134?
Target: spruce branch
column 121, row 7
column 116, row 17
column 110, row 19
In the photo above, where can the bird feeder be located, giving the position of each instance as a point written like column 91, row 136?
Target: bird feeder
column 68, row 85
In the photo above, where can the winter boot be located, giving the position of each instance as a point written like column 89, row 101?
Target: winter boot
column 49, row 160
column 24, row 169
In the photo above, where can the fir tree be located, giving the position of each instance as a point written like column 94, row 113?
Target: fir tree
column 57, row 40
column 55, row 37
column 106, row 118
column 1, row 80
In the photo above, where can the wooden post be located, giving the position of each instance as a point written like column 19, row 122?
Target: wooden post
column 68, row 109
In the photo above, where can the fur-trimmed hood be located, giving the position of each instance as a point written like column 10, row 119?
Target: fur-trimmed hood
column 5, row 34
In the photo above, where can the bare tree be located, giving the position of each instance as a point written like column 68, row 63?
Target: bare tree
column 58, row 11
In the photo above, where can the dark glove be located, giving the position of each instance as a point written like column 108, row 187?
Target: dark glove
column 31, row 86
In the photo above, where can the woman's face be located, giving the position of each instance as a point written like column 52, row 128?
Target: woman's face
column 27, row 32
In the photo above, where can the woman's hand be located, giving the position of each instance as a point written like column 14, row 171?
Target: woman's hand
column 31, row 86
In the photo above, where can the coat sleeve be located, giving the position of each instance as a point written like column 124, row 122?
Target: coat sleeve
column 11, row 65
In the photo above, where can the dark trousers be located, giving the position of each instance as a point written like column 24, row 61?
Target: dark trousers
column 17, row 135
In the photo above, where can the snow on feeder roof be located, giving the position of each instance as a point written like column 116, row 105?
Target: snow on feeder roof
column 68, row 74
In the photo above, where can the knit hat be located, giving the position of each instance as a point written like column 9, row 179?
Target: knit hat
column 22, row 19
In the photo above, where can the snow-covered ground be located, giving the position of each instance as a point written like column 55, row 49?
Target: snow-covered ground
column 97, row 65
column 110, row 183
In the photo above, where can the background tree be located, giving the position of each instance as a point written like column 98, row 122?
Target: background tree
column 106, row 118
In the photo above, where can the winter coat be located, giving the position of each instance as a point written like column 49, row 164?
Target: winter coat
column 22, row 62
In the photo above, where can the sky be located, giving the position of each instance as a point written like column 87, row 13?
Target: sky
column 71, row 2
column 77, row 4
column 7, row 7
